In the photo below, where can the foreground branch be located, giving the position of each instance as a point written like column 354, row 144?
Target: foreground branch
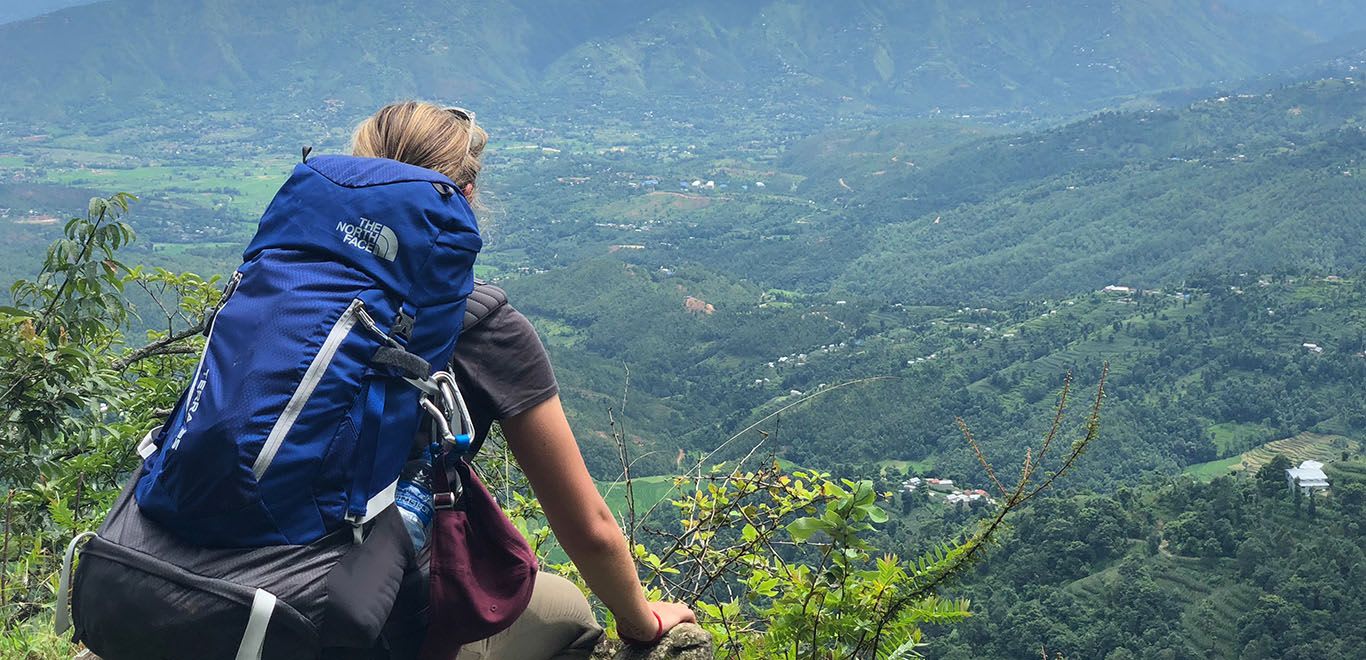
column 165, row 346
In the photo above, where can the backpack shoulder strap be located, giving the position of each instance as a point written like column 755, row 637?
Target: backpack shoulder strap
column 483, row 301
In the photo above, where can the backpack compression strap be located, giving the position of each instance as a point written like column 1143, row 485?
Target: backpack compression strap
column 482, row 302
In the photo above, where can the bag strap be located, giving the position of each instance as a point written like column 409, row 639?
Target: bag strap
column 62, row 621
column 254, row 637
column 447, row 485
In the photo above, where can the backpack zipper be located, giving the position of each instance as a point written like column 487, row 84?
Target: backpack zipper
column 316, row 369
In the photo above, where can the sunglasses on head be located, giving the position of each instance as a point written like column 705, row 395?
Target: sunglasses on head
column 464, row 115
column 461, row 113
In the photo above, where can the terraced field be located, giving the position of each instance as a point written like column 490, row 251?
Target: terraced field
column 1302, row 447
column 1210, row 606
column 1211, row 624
column 1350, row 471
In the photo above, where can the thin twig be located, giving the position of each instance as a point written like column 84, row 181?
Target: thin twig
column 76, row 501
column 163, row 346
column 625, row 458
column 981, row 458
column 783, row 409
column 1057, row 417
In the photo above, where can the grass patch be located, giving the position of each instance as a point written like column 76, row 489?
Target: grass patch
column 922, row 466
column 34, row 640
column 1212, row 469
column 648, row 491
column 1232, row 437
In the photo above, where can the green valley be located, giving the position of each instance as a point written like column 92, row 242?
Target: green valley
column 792, row 262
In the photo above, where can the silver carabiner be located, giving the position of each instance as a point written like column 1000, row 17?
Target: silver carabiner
column 450, row 413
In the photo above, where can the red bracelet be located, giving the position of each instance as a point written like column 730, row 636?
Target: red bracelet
column 659, row 634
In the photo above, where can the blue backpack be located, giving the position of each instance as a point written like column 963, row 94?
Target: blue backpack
column 319, row 361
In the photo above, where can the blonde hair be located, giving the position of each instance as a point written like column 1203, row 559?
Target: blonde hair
column 426, row 135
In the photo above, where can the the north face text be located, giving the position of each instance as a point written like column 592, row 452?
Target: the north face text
column 370, row 236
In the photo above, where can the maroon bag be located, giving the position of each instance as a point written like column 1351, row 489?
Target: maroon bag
column 482, row 569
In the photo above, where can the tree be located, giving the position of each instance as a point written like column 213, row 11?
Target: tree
column 1271, row 476
column 1351, row 498
column 75, row 397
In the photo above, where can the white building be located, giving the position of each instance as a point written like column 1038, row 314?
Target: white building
column 1309, row 475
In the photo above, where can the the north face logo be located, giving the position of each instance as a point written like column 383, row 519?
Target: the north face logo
column 370, row 236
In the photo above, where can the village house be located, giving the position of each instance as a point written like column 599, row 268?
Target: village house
column 962, row 498
column 1308, row 476
column 944, row 488
column 942, row 485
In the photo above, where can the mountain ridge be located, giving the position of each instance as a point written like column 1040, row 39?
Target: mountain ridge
column 871, row 55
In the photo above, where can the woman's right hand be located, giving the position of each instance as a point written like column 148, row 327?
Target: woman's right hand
column 670, row 615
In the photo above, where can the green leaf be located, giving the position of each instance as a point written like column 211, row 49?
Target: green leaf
column 801, row 529
column 709, row 609
column 62, row 514
column 749, row 533
column 877, row 515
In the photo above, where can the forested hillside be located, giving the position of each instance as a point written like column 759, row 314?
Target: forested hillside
column 786, row 256
column 1237, row 182
column 980, row 313
column 1233, row 568
column 1197, row 373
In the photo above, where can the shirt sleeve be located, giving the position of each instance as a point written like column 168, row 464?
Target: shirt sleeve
column 502, row 368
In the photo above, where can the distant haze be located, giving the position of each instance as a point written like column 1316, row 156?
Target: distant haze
column 898, row 57
column 18, row 10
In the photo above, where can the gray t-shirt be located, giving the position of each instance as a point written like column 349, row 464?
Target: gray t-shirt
column 502, row 368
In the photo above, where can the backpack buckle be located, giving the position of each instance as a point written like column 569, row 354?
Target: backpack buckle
column 403, row 326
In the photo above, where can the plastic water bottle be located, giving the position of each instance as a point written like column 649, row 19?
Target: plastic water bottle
column 414, row 499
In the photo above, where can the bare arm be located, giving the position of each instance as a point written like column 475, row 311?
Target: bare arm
column 545, row 449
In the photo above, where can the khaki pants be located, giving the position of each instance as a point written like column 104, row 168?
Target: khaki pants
column 557, row 625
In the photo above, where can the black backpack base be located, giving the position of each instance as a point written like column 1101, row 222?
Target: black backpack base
column 140, row 593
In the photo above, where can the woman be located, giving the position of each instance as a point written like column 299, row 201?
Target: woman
column 506, row 377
